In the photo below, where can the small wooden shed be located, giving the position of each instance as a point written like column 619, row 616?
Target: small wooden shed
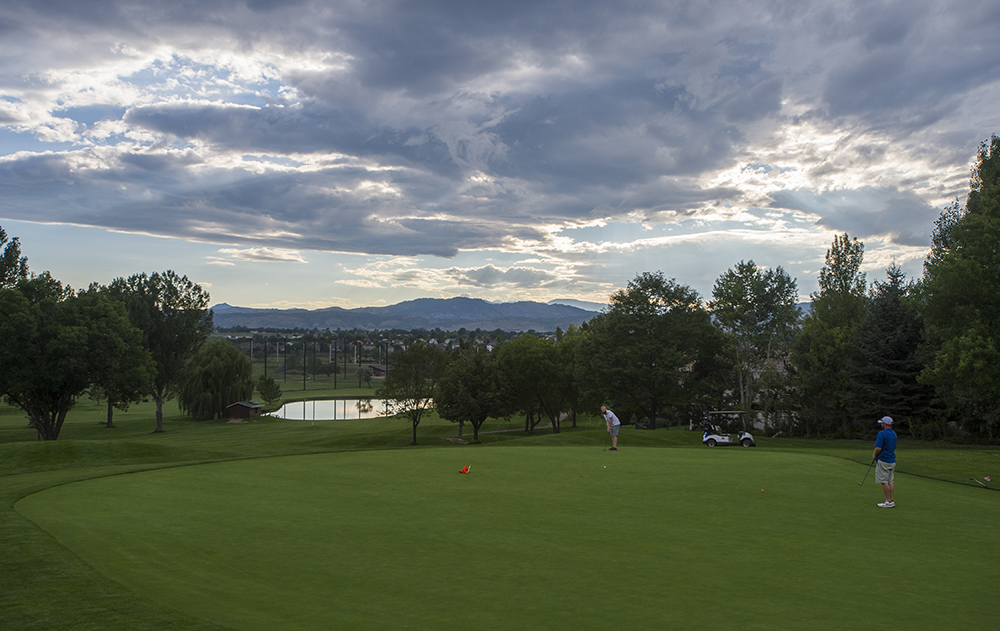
column 245, row 409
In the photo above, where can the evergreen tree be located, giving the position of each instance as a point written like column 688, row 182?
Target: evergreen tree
column 13, row 266
column 269, row 389
column 885, row 358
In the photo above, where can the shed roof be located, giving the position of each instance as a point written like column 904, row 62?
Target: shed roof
column 247, row 404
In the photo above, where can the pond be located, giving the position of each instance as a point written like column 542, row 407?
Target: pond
column 331, row 410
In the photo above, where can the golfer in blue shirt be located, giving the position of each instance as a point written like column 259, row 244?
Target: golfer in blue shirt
column 885, row 457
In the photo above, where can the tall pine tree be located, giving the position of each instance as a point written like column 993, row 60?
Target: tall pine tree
column 885, row 358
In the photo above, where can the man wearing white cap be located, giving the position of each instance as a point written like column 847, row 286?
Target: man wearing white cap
column 885, row 457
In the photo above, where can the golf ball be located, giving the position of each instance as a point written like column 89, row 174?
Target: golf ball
column 605, row 466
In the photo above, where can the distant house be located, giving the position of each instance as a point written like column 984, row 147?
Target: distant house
column 244, row 409
column 378, row 370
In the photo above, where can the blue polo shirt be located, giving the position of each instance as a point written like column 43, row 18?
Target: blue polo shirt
column 886, row 439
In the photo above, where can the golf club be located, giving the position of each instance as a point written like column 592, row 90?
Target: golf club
column 979, row 483
column 861, row 483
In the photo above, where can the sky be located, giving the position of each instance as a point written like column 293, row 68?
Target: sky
column 361, row 153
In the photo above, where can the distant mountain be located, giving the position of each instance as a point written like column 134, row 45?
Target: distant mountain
column 449, row 314
column 579, row 304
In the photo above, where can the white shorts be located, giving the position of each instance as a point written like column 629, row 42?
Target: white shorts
column 884, row 471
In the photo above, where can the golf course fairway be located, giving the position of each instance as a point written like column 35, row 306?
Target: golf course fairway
column 538, row 538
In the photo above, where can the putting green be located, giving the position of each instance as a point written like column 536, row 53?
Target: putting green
column 538, row 538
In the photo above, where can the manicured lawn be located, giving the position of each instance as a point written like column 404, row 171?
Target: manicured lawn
column 281, row 524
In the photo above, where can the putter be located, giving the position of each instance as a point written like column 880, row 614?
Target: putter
column 862, row 482
column 979, row 483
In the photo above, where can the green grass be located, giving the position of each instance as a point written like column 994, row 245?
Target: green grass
column 283, row 524
column 318, row 386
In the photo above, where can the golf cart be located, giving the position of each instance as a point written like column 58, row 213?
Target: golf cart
column 715, row 436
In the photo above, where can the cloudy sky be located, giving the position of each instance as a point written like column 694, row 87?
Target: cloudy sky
column 309, row 154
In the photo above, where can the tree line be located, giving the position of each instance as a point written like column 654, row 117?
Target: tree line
column 925, row 351
column 145, row 337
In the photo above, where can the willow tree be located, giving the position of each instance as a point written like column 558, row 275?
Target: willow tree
column 217, row 376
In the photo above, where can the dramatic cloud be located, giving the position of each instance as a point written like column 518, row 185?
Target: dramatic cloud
column 490, row 276
column 264, row 255
column 537, row 147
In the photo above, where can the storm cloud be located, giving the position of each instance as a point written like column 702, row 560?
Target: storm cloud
column 440, row 128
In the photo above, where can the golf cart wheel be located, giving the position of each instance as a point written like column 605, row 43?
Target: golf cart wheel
column 710, row 442
column 746, row 442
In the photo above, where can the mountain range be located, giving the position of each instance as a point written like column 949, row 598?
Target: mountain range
column 449, row 314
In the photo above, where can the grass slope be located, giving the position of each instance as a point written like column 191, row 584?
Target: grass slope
column 367, row 531
column 535, row 538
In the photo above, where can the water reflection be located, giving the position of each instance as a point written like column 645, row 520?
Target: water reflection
column 331, row 410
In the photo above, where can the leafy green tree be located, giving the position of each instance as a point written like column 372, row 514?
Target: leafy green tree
column 217, row 376
column 269, row 389
column 654, row 352
column 473, row 389
column 365, row 374
column 54, row 345
column 885, row 359
column 821, row 352
column 540, row 376
column 569, row 344
column 758, row 311
column 121, row 373
column 411, row 385
column 172, row 313
column 13, row 266
column 959, row 301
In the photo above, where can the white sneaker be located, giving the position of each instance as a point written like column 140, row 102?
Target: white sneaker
column 887, row 504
